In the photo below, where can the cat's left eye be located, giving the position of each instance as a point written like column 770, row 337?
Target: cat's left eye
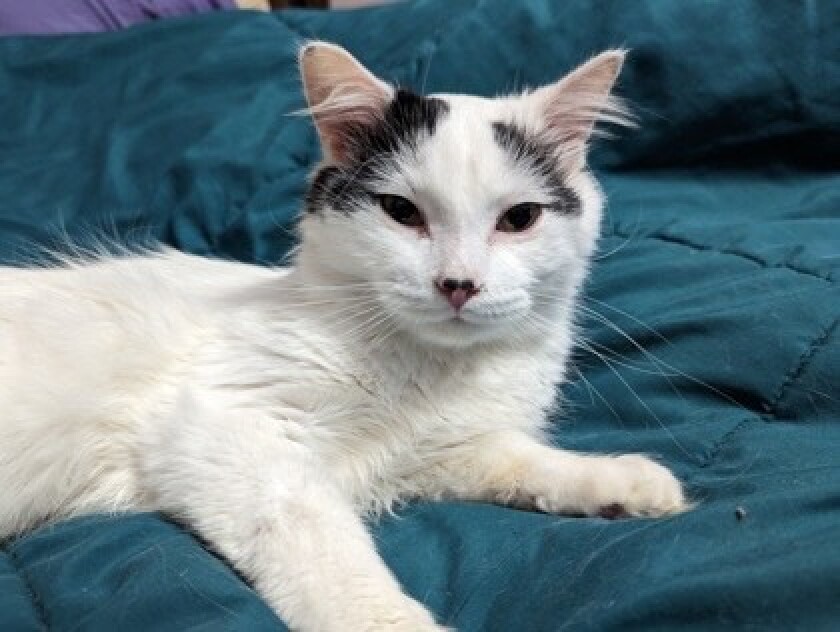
column 519, row 218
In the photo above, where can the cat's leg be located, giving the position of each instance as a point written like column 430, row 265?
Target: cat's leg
column 269, row 507
column 513, row 468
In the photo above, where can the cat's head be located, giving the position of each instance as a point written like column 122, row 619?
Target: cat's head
column 467, row 219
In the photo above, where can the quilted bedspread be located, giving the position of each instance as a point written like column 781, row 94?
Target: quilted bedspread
column 711, row 329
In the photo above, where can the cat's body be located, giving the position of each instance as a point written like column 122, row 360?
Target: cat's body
column 125, row 372
column 270, row 409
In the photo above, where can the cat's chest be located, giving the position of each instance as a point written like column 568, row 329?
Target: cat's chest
column 378, row 416
column 402, row 418
column 426, row 401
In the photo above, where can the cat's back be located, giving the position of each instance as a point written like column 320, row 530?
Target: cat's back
column 86, row 349
column 63, row 323
column 113, row 325
column 112, row 310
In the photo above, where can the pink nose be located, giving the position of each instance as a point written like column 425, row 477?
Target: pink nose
column 457, row 292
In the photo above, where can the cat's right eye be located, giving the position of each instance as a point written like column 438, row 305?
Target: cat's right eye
column 402, row 211
column 519, row 218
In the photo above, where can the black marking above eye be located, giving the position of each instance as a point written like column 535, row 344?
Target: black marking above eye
column 402, row 211
column 408, row 117
column 373, row 150
column 519, row 218
column 535, row 155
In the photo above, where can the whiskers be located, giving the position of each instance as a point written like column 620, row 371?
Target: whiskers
column 354, row 310
column 613, row 360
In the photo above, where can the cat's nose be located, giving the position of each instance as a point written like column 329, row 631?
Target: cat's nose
column 457, row 291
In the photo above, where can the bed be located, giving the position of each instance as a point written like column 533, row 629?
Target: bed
column 711, row 319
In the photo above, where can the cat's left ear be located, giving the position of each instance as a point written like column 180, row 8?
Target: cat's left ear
column 571, row 107
column 342, row 96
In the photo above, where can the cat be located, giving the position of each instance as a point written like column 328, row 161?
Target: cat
column 411, row 352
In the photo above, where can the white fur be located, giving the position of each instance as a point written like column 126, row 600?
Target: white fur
column 271, row 409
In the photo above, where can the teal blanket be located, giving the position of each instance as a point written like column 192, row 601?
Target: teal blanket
column 713, row 305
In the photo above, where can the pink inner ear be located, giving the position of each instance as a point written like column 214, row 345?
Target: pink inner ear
column 571, row 118
column 344, row 110
column 342, row 95
column 572, row 106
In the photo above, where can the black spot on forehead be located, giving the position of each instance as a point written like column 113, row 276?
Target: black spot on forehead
column 373, row 149
column 407, row 118
column 538, row 157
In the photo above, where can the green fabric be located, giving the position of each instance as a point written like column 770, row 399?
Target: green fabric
column 721, row 257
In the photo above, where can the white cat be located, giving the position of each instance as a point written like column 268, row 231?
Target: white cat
column 411, row 352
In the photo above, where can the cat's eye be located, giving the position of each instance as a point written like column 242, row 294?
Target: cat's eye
column 519, row 218
column 402, row 211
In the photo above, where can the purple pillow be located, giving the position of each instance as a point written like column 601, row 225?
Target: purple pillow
column 18, row 17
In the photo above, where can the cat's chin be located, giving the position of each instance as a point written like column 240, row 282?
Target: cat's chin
column 457, row 333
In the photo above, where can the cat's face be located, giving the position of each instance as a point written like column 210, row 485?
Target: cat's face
column 469, row 219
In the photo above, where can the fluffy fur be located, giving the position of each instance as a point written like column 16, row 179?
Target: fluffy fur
column 271, row 409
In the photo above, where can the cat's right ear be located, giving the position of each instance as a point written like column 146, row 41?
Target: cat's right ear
column 342, row 96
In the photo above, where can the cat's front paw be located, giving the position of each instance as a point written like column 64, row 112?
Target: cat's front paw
column 634, row 485
column 614, row 487
column 415, row 619
column 400, row 615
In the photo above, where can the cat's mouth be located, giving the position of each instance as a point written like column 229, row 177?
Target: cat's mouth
column 439, row 323
column 490, row 320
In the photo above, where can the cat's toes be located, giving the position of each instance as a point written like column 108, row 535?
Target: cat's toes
column 405, row 616
column 634, row 485
column 616, row 487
